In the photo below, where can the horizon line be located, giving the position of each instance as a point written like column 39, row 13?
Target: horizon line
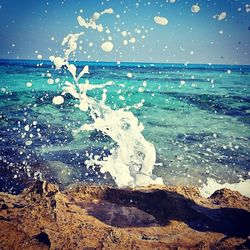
column 126, row 62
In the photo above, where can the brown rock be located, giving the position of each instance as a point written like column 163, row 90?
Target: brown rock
column 41, row 188
column 101, row 217
column 226, row 197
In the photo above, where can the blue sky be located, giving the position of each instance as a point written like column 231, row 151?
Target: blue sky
column 27, row 26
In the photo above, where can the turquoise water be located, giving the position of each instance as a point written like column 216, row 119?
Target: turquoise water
column 197, row 116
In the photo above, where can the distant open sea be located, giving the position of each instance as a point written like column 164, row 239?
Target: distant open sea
column 197, row 116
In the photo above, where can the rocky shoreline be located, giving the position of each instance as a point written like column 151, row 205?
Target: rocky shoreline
column 101, row 217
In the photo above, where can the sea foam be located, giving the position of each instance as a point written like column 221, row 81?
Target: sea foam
column 212, row 185
column 132, row 160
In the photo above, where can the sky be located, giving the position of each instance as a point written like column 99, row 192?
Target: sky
column 32, row 27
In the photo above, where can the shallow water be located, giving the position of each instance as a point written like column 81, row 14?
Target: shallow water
column 200, row 127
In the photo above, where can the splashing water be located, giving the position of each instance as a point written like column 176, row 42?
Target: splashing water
column 132, row 159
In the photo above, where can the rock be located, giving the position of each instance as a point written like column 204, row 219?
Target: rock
column 226, row 197
column 244, row 245
column 43, row 238
column 101, row 217
column 41, row 188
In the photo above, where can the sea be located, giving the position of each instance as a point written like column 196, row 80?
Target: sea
column 197, row 117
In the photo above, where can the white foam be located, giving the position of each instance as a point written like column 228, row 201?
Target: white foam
column 129, row 75
column 121, row 97
column 57, row 100
column 222, row 16
column 27, row 128
column 132, row 40
column 132, row 159
column 92, row 22
column 58, row 61
column 124, row 33
column 161, row 20
column 247, row 8
column 39, row 56
column 57, row 80
column 28, row 143
column 107, row 46
column 212, row 185
column 195, row 8
column 50, row 81
column 125, row 42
